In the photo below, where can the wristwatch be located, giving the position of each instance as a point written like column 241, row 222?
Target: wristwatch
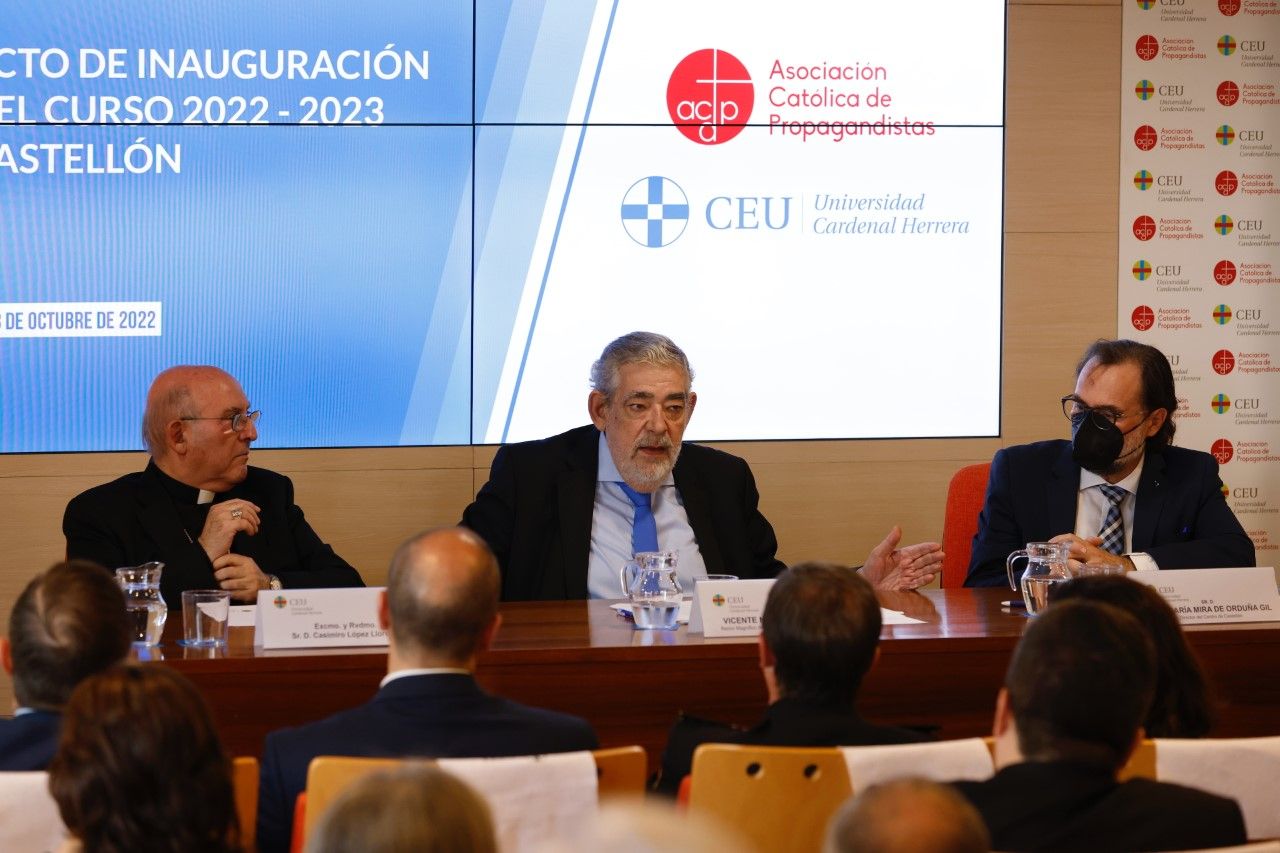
column 273, row 582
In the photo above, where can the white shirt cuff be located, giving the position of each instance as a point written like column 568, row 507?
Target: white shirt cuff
column 1143, row 562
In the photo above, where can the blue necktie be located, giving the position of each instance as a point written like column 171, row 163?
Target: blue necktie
column 644, row 530
column 1112, row 531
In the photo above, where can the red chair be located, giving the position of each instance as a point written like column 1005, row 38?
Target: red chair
column 965, row 495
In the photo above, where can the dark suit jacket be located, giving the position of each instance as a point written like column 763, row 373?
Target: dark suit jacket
column 28, row 741
column 134, row 520
column 427, row 715
column 787, row 722
column 1181, row 518
column 1059, row 805
column 536, row 510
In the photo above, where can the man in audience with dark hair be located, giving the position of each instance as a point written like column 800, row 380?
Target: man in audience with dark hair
column 1119, row 490
column 67, row 624
column 1067, row 720
column 820, row 633
column 907, row 816
column 198, row 507
column 440, row 610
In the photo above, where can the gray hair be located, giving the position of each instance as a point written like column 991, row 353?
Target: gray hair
column 636, row 348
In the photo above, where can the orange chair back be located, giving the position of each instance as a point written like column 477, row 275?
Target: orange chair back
column 965, row 495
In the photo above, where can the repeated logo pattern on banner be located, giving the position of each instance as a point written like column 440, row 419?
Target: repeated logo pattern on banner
column 1200, row 231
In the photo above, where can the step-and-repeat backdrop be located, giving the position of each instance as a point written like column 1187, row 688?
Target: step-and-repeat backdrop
column 1199, row 229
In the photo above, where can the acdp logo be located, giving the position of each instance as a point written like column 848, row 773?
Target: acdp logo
column 709, row 96
column 655, row 211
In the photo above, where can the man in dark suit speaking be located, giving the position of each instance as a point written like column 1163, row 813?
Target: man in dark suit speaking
column 198, row 507
column 1067, row 719
column 440, row 610
column 565, row 513
column 1119, row 489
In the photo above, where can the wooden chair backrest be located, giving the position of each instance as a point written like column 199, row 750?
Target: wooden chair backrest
column 781, row 798
column 620, row 771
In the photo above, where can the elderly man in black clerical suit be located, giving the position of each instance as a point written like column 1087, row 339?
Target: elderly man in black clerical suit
column 820, row 633
column 440, row 611
column 1119, row 489
column 1068, row 718
column 68, row 623
column 565, row 513
column 199, row 507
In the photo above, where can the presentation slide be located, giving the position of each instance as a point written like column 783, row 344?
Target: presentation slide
column 404, row 223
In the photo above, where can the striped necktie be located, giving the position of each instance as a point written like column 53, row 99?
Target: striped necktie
column 1112, row 531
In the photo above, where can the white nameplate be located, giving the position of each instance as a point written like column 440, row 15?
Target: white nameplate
column 728, row 608
column 316, row 618
column 1217, row 596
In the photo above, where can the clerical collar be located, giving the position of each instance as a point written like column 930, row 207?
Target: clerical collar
column 181, row 492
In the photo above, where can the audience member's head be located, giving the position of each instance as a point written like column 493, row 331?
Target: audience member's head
column 68, row 623
column 908, row 816
column 140, row 767
column 820, row 632
column 1079, row 685
column 418, row 807
column 441, row 599
column 1182, row 706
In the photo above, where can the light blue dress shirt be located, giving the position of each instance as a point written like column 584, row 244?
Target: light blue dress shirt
column 611, row 531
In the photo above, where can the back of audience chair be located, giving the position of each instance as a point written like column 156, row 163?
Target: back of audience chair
column 244, row 784
column 779, row 797
column 619, row 770
column 1141, row 765
column 29, row 819
column 1245, row 769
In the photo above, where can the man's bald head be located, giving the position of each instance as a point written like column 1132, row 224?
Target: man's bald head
column 442, row 593
column 189, row 427
column 172, row 396
column 908, row 816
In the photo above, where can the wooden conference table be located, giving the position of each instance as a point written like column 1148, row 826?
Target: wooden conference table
column 580, row 657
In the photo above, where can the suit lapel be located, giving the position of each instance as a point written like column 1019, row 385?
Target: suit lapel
column 697, row 506
column 1064, row 490
column 159, row 518
column 576, row 499
column 1150, row 501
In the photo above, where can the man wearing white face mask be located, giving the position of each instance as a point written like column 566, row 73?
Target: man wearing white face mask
column 1119, row 488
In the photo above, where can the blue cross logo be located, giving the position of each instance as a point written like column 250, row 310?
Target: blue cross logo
column 655, row 211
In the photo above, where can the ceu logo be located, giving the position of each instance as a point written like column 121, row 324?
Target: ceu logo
column 1141, row 270
column 1147, row 47
column 709, row 96
column 1220, row 404
column 1145, row 137
column 1223, row 362
column 1228, row 93
column 1142, row 180
column 1222, row 314
column 1228, row 7
column 1226, row 492
column 1222, row 450
column 1223, row 225
column 1144, row 228
column 1143, row 318
column 1225, row 135
column 655, row 211
column 1145, row 5
column 279, row 601
column 1226, row 182
column 1144, row 90
column 717, row 600
column 1226, row 45
column 1224, row 272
